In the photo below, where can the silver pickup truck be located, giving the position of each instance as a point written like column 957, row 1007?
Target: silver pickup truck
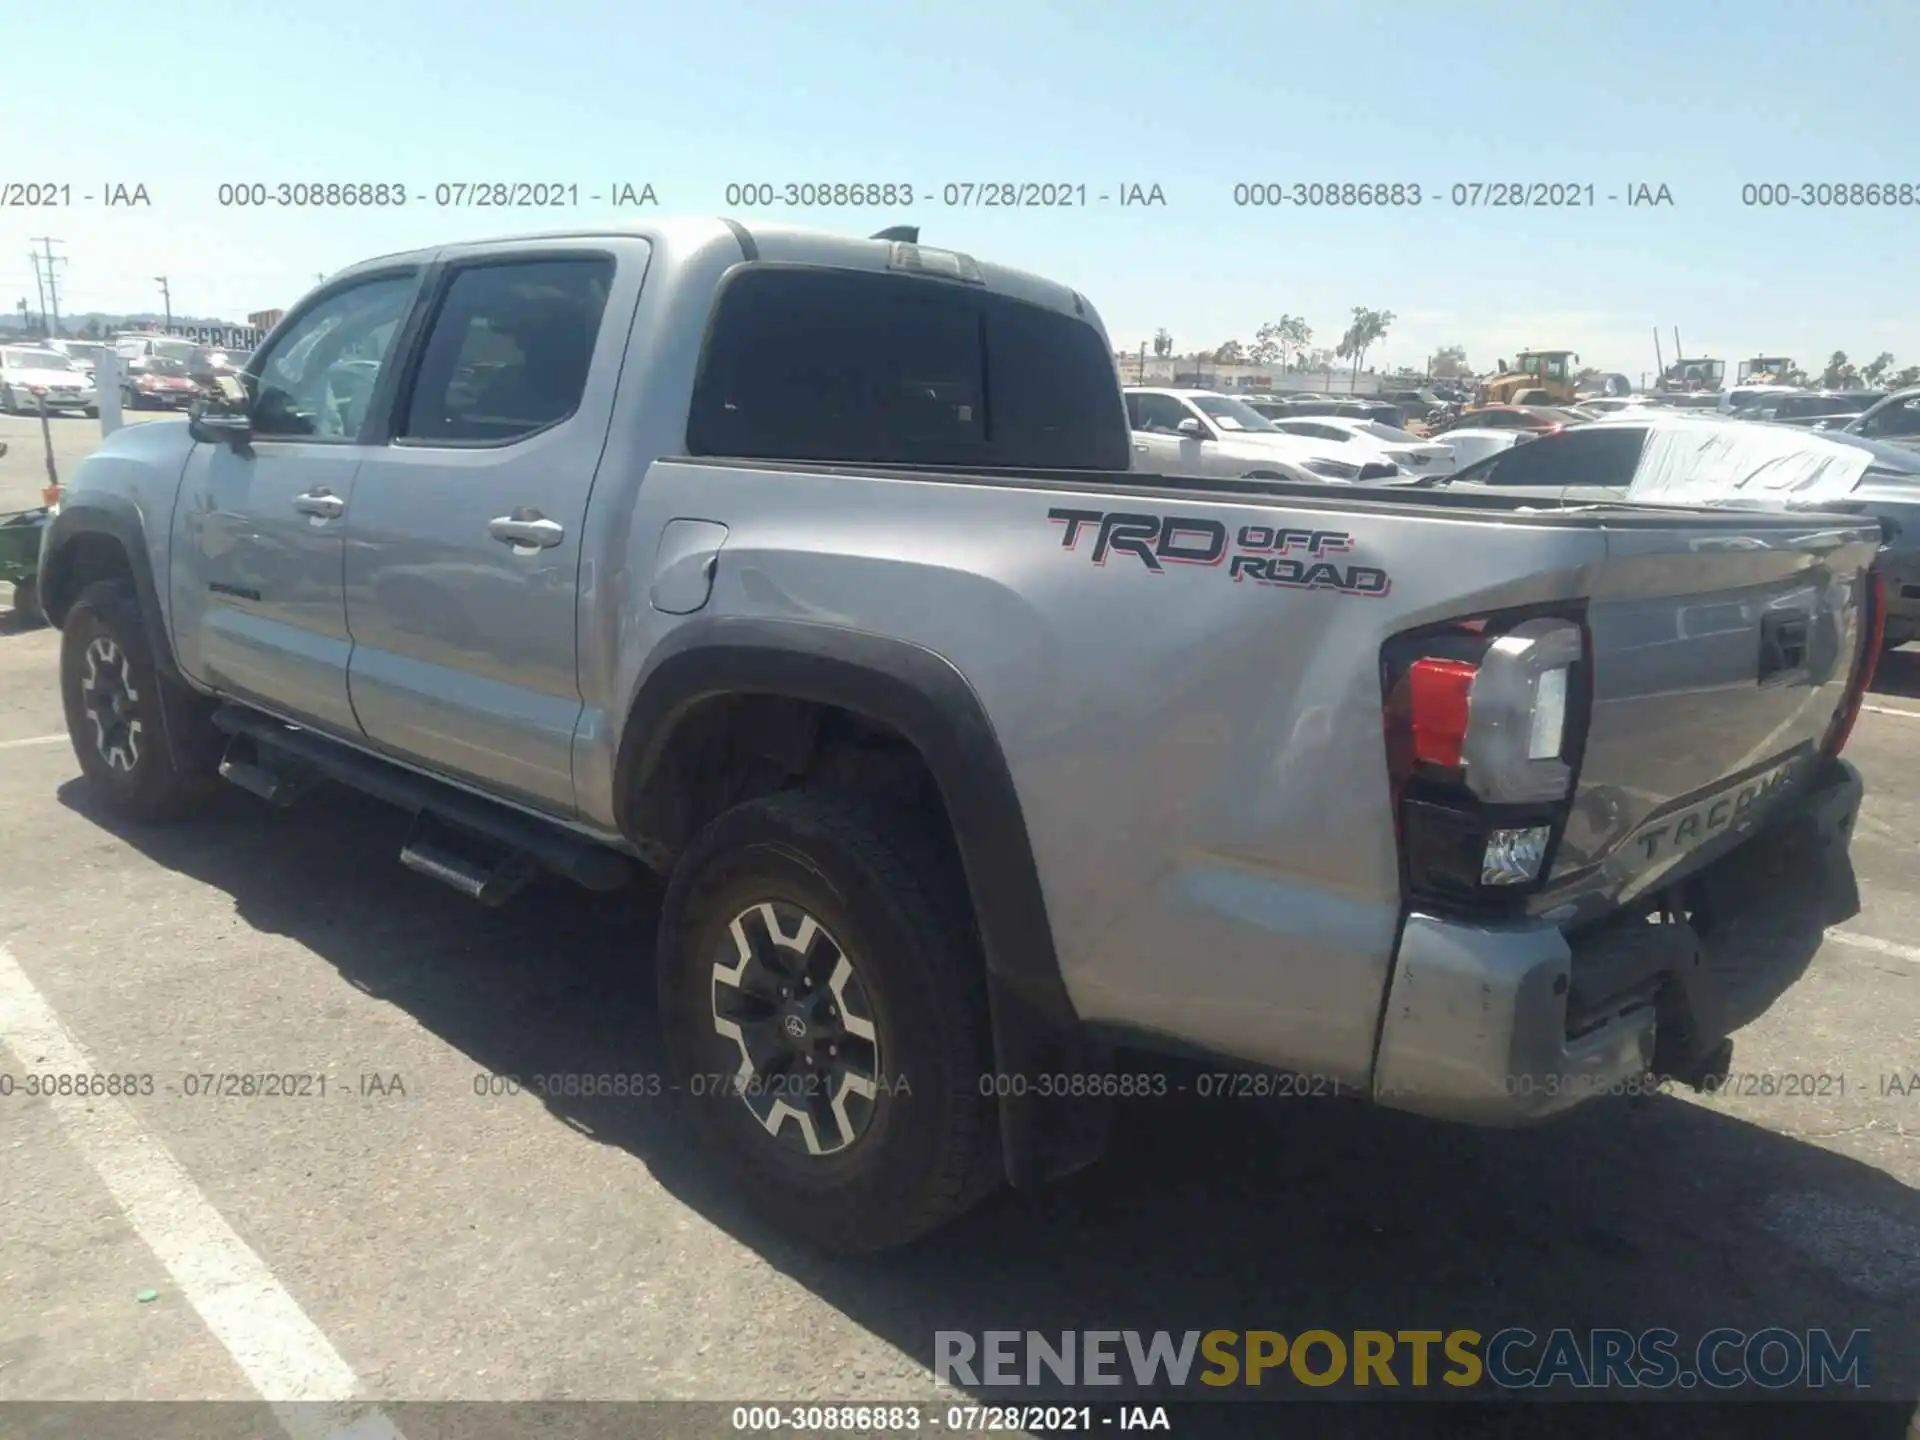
column 810, row 572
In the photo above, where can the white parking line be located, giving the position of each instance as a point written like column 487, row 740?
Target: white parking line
column 1890, row 710
column 288, row 1361
column 33, row 740
column 1908, row 953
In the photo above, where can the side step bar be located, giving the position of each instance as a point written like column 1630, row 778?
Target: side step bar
column 279, row 762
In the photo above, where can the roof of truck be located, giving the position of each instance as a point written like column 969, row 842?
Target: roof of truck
column 685, row 236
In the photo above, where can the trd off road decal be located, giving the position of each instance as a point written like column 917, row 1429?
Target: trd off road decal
column 1272, row 555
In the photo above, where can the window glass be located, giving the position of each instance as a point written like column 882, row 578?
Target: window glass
column 1159, row 414
column 509, row 351
column 1901, row 418
column 868, row 368
column 317, row 380
column 1592, row 456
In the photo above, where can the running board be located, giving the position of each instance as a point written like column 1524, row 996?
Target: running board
column 279, row 784
column 466, row 820
column 435, row 850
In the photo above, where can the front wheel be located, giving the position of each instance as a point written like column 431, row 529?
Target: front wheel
column 7, row 405
column 824, row 1006
column 92, row 412
column 110, row 690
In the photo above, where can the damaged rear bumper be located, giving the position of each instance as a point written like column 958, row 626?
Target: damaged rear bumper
column 1499, row 1024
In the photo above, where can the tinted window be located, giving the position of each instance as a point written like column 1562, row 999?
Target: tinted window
column 508, row 351
column 821, row 364
column 1899, row 418
column 317, row 380
column 1592, row 456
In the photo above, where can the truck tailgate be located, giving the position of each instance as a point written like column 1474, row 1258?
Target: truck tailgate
column 1720, row 659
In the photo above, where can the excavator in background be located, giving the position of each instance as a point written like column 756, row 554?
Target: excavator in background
column 1547, row 370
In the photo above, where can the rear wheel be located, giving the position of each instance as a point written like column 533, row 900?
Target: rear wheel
column 111, row 692
column 823, row 1002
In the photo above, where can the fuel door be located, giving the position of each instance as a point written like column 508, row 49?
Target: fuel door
column 683, row 565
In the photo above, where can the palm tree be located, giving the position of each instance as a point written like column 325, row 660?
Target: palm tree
column 1369, row 327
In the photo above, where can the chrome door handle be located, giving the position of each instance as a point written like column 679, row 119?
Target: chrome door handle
column 526, row 529
column 321, row 503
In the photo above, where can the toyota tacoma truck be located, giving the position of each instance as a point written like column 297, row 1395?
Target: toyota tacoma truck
column 810, row 573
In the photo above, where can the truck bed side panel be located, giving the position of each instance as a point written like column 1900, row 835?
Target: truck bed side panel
column 1199, row 757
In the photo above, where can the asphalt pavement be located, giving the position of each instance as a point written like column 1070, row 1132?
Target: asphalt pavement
column 397, row 1231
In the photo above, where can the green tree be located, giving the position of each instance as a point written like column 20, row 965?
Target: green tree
column 1266, row 344
column 1876, row 369
column 1369, row 327
column 1840, row 373
column 1906, row 379
column 1231, row 353
column 1162, row 343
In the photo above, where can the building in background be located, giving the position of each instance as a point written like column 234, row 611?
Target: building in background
column 265, row 320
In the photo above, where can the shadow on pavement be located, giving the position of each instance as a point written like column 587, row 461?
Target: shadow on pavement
column 1209, row 1215
column 1899, row 673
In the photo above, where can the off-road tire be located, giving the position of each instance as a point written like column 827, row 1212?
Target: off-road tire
column 152, row 779
column 873, row 877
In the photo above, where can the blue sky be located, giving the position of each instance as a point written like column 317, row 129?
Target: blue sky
column 1701, row 97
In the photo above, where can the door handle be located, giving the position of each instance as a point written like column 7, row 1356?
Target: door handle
column 321, row 503
column 527, row 530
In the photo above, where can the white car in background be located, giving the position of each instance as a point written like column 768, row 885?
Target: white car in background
column 1369, row 439
column 85, row 354
column 1201, row 432
column 32, row 374
column 1474, row 443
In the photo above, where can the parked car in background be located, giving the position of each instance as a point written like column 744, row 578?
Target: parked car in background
column 1468, row 444
column 85, row 354
column 1823, row 409
column 1895, row 420
column 1542, row 419
column 1682, row 457
column 157, row 371
column 1200, row 432
column 1599, row 406
column 1371, row 438
column 1750, row 399
column 32, row 375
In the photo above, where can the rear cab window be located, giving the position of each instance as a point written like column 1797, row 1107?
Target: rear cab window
column 859, row 367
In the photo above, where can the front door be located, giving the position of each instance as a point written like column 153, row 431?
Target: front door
column 1158, row 446
column 258, row 608
column 464, row 542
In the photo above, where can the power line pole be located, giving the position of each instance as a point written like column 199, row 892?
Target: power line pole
column 53, row 283
column 166, row 298
column 39, row 286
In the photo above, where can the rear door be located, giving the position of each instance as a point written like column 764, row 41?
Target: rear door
column 463, row 549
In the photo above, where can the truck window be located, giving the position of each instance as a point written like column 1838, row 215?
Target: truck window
column 1605, row 455
column 508, row 351
column 843, row 365
column 319, row 376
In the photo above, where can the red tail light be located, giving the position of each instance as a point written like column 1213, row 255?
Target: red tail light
column 1437, row 694
column 1485, row 722
column 1874, row 630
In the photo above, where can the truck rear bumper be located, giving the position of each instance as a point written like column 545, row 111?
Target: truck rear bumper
column 1503, row 1024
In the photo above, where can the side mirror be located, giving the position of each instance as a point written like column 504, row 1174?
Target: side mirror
column 1192, row 429
column 222, row 418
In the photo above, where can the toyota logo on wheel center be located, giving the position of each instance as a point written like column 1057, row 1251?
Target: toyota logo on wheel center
column 794, row 1026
